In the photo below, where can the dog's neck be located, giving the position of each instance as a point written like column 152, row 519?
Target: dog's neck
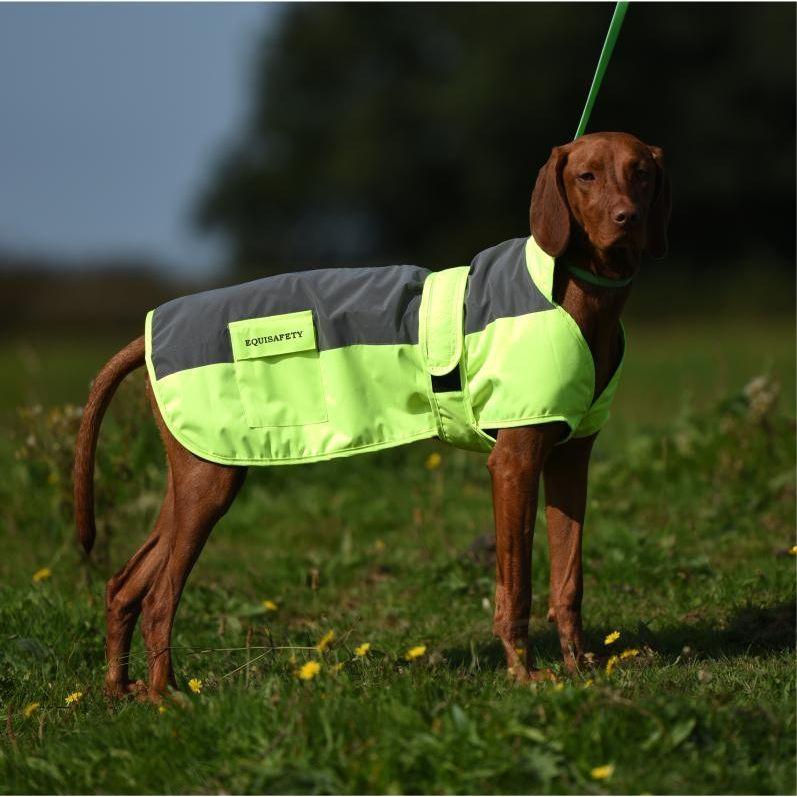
column 595, row 309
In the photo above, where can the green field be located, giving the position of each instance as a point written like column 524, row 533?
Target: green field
column 690, row 526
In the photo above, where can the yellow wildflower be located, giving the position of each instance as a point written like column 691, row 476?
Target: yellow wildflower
column 161, row 709
column 588, row 683
column 339, row 666
column 793, row 550
column 630, row 653
column 414, row 653
column 361, row 650
column 602, row 773
column 433, row 461
column 309, row 670
column 42, row 574
column 73, row 698
column 558, row 686
column 611, row 664
column 195, row 685
column 613, row 637
column 269, row 606
column 325, row 641
column 29, row 709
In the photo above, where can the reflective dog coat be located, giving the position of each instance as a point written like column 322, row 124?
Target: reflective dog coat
column 319, row 364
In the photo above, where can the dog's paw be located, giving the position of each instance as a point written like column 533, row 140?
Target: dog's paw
column 543, row 675
column 588, row 662
column 523, row 675
column 115, row 691
column 119, row 690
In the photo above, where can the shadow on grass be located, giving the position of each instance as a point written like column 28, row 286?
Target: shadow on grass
column 489, row 655
column 750, row 630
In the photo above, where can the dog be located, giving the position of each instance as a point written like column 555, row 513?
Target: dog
column 598, row 204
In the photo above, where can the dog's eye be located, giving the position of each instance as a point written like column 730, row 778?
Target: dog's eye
column 642, row 174
column 586, row 177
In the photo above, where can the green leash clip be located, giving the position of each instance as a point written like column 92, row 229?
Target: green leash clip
column 603, row 63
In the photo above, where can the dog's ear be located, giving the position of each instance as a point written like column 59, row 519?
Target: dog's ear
column 660, row 208
column 549, row 213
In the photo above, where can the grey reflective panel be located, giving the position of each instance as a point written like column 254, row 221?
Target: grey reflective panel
column 350, row 306
column 499, row 286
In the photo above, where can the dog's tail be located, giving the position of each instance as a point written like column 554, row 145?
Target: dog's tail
column 100, row 395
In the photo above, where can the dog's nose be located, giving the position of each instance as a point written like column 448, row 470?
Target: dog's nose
column 626, row 217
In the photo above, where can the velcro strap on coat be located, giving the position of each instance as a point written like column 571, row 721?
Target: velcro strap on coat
column 441, row 323
column 441, row 335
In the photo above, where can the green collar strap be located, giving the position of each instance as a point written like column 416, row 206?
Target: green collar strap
column 541, row 267
column 596, row 279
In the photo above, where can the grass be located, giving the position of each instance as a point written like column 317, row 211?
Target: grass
column 690, row 522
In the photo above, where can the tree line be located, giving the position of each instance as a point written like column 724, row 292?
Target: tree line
column 414, row 132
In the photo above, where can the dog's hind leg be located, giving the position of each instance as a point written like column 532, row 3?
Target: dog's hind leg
column 202, row 493
column 127, row 588
column 123, row 595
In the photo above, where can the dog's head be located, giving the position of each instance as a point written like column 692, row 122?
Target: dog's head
column 607, row 192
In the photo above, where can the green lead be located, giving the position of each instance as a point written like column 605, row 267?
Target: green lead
column 603, row 63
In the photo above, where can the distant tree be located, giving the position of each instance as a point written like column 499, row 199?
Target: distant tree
column 396, row 133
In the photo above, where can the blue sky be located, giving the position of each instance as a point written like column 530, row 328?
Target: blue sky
column 110, row 117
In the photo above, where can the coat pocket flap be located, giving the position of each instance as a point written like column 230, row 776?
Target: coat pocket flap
column 272, row 335
column 441, row 319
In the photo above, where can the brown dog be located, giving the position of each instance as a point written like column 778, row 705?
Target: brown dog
column 598, row 204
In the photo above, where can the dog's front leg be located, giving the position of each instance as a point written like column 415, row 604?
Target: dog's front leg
column 515, row 465
column 565, row 477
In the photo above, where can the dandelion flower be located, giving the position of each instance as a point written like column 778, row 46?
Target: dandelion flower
column 195, row 685
column 161, row 709
column 602, row 773
column 611, row 664
column 339, row 666
column 361, row 650
column 29, row 709
column 613, row 637
column 415, row 653
column 73, row 698
column 630, row 653
column 309, row 671
column 433, row 461
column 42, row 574
column 325, row 641
column 269, row 606
column 793, row 550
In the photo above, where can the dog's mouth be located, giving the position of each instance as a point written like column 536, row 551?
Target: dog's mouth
column 626, row 272
column 625, row 234
column 625, row 242
column 620, row 255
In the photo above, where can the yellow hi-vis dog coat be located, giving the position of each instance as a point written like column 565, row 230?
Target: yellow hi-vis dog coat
column 319, row 364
